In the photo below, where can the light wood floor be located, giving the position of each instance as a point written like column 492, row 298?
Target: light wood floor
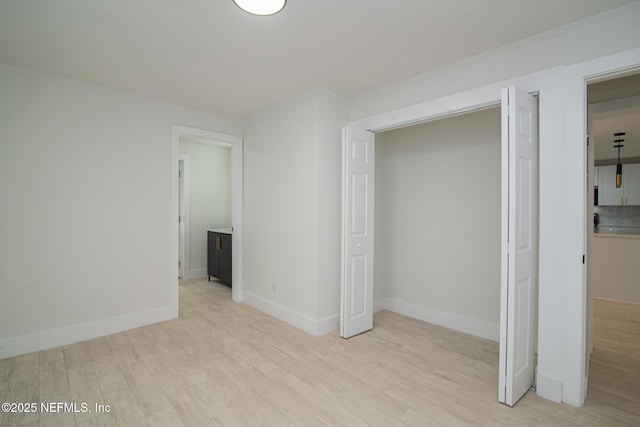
column 223, row 363
column 614, row 369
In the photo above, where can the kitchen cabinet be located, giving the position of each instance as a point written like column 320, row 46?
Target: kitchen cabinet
column 631, row 178
column 219, row 255
column 608, row 194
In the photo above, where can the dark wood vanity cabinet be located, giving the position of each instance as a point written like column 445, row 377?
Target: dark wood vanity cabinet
column 219, row 256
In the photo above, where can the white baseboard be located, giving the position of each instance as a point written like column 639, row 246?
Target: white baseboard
column 195, row 274
column 198, row 273
column 378, row 305
column 293, row 318
column 328, row 324
column 460, row 323
column 44, row 340
column 549, row 387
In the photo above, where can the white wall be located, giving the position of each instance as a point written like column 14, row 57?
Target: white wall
column 209, row 198
column 332, row 112
column 281, row 205
column 85, row 218
column 292, row 209
column 438, row 221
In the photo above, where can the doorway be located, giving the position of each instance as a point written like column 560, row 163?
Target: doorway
column 207, row 195
column 613, row 238
column 236, row 206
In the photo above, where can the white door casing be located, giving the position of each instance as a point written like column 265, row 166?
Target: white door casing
column 181, row 218
column 358, row 184
column 519, row 258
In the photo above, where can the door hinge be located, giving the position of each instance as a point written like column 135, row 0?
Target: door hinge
column 587, row 140
column 583, row 258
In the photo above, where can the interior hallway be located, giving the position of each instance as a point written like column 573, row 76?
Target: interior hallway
column 222, row 363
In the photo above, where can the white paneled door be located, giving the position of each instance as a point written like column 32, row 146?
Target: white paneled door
column 358, row 171
column 519, row 281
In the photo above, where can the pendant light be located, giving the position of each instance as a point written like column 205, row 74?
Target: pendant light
column 618, row 144
column 261, row 7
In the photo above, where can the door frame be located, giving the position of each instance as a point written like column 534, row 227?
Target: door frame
column 577, row 323
column 576, row 78
column 460, row 103
column 184, row 193
column 236, row 143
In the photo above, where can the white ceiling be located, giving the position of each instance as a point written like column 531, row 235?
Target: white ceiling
column 209, row 55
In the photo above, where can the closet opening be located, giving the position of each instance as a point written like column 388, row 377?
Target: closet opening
column 437, row 231
column 517, row 236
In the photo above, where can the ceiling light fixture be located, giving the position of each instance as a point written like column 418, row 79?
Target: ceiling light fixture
column 618, row 144
column 261, row 7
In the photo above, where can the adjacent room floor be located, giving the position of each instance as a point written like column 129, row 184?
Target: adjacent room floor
column 614, row 368
column 223, row 363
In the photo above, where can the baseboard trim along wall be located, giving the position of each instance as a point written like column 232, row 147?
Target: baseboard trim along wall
column 43, row 340
column 464, row 324
column 197, row 273
column 293, row 318
column 549, row 387
column 329, row 324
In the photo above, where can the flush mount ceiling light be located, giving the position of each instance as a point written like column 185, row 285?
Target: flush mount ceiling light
column 261, row 7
